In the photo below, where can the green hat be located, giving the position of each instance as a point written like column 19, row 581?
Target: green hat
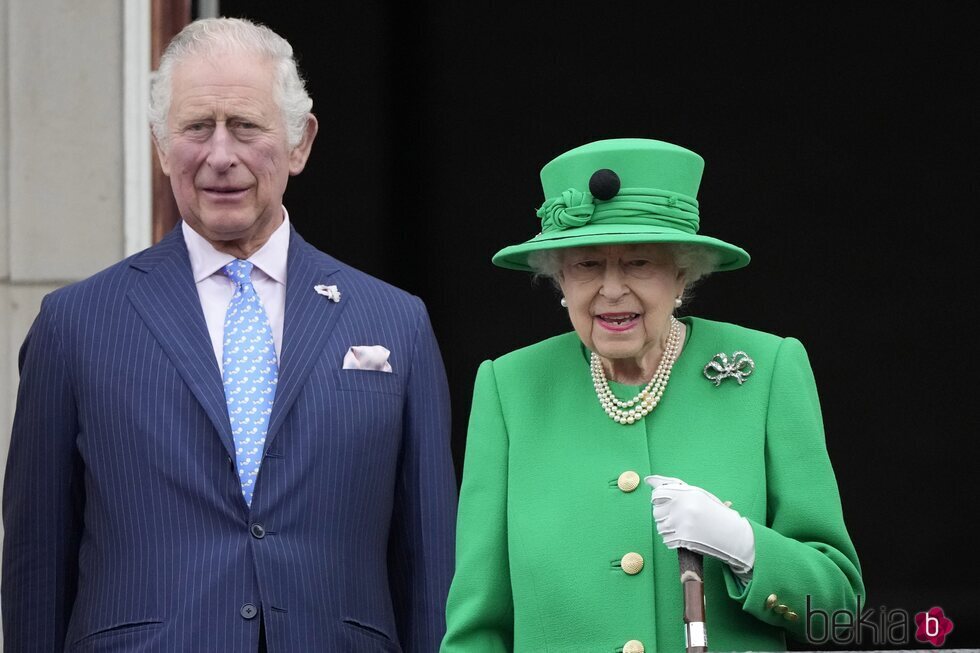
column 621, row 191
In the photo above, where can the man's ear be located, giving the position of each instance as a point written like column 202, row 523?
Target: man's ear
column 161, row 155
column 300, row 153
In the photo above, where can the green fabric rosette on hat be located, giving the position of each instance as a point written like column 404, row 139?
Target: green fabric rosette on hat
column 621, row 191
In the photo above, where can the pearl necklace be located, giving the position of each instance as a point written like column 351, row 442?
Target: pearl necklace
column 628, row 412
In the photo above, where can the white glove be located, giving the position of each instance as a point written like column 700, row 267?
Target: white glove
column 690, row 517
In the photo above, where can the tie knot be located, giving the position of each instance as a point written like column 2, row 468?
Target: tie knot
column 239, row 271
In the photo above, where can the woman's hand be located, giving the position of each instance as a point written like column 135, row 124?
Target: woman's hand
column 690, row 517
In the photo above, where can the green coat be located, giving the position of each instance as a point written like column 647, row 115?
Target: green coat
column 543, row 524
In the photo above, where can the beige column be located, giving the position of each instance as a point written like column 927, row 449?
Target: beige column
column 63, row 122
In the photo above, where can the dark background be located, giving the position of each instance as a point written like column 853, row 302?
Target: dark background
column 839, row 146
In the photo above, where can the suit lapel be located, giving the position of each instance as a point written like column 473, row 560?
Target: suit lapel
column 167, row 300
column 309, row 320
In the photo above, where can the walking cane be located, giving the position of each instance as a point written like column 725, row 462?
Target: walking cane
column 695, row 637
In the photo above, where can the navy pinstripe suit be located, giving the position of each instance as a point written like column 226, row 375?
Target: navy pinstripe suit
column 126, row 529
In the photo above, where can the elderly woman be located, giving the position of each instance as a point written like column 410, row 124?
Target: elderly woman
column 557, row 549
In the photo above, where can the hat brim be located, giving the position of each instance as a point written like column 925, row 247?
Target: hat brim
column 514, row 257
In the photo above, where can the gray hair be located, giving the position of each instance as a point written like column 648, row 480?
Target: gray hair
column 210, row 36
column 697, row 262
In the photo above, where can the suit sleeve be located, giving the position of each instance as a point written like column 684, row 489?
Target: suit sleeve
column 804, row 556
column 480, row 611
column 420, row 557
column 42, row 498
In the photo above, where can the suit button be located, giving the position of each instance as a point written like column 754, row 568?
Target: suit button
column 780, row 609
column 632, row 563
column 791, row 616
column 771, row 601
column 628, row 481
column 257, row 531
column 633, row 646
column 249, row 611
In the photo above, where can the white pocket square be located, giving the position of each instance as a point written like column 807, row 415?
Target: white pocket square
column 367, row 357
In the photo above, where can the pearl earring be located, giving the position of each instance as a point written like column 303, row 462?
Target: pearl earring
column 563, row 302
column 677, row 302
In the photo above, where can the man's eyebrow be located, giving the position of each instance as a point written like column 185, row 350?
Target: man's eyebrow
column 194, row 116
column 250, row 117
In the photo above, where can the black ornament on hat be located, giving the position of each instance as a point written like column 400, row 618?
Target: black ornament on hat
column 604, row 184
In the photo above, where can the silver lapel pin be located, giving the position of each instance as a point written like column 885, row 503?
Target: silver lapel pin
column 330, row 292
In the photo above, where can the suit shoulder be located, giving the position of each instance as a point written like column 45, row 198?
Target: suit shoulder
column 104, row 288
column 709, row 338
column 102, row 285
column 727, row 335
column 547, row 357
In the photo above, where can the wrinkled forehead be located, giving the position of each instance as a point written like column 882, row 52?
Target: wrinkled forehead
column 229, row 86
column 231, row 69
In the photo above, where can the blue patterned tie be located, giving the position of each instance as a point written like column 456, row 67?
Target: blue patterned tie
column 250, row 373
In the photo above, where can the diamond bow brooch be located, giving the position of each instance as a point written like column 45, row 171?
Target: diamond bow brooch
column 720, row 368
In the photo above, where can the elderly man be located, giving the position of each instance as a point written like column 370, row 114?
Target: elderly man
column 230, row 441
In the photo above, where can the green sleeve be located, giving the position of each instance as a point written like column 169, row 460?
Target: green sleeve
column 804, row 555
column 480, row 611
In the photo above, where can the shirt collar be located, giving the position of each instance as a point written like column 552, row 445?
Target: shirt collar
column 270, row 258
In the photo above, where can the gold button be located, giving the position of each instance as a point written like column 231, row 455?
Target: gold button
column 771, row 601
column 633, row 646
column 632, row 563
column 628, row 481
column 780, row 609
column 791, row 616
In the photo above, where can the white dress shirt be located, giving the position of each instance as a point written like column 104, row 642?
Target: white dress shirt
column 215, row 289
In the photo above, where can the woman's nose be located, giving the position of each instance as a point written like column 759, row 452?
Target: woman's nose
column 613, row 282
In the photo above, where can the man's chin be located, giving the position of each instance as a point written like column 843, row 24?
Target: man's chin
column 229, row 226
column 223, row 227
